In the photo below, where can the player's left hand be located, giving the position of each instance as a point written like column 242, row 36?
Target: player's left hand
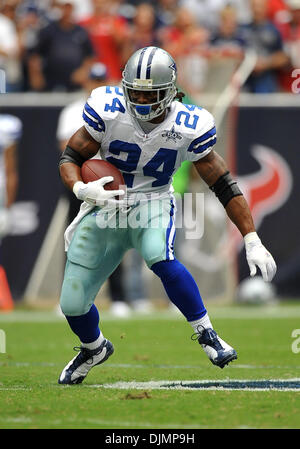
column 258, row 256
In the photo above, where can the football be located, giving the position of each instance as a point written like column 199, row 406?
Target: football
column 94, row 169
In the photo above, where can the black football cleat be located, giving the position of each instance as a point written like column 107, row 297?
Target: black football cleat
column 78, row 368
column 218, row 352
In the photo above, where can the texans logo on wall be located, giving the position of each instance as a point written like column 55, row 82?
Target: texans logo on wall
column 267, row 161
column 265, row 190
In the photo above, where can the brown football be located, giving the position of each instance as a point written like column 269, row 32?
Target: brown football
column 94, row 169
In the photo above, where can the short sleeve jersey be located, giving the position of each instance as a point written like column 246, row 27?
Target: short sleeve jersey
column 147, row 161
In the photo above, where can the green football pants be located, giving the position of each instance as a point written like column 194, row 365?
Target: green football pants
column 100, row 242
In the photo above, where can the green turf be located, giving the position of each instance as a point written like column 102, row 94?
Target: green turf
column 38, row 345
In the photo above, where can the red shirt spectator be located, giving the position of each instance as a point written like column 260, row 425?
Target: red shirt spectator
column 184, row 36
column 187, row 42
column 109, row 35
column 277, row 11
column 291, row 36
column 142, row 32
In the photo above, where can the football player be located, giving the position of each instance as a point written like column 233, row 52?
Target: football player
column 130, row 127
column 10, row 133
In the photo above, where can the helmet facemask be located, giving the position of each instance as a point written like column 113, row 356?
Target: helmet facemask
column 148, row 111
column 151, row 70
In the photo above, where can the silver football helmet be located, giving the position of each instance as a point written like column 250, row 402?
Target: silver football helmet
column 150, row 69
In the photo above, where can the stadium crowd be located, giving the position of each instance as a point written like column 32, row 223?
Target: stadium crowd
column 50, row 45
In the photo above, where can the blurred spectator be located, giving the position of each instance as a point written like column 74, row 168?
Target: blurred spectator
column 228, row 41
column 142, row 32
column 206, row 12
column 243, row 10
column 82, row 9
column 188, row 43
column 291, row 36
column 109, row 34
column 278, row 12
column 165, row 12
column 9, row 46
column 125, row 9
column 10, row 134
column 63, row 54
column 262, row 36
column 31, row 20
column 184, row 36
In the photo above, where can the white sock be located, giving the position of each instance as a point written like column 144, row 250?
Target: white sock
column 202, row 322
column 94, row 344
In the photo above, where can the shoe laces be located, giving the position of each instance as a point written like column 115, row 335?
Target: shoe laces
column 210, row 338
column 84, row 355
column 198, row 333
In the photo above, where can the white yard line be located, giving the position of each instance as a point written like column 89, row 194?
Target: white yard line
column 195, row 385
column 2, row 388
column 16, row 420
column 102, row 422
column 209, row 384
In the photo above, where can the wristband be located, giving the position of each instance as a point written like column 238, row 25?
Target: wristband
column 251, row 237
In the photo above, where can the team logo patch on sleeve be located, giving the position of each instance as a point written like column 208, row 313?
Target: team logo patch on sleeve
column 172, row 135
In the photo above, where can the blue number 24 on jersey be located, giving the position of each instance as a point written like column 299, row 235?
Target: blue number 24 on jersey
column 147, row 161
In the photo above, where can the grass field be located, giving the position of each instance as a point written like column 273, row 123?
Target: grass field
column 148, row 349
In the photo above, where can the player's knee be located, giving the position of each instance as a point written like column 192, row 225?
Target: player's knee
column 153, row 251
column 72, row 300
column 152, row 260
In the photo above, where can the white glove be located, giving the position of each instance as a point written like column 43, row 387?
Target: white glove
column 4, row 222
column 94, row 192
column 257, row 254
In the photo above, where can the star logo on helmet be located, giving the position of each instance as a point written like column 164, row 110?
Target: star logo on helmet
column 173, row 67
column 172, row 135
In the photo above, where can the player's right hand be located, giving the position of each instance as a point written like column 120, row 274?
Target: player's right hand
column 94, row 193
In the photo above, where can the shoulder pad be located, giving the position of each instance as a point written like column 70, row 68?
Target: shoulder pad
column 107, row 101
column 198, row 126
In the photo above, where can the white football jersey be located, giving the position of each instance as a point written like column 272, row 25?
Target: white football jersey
column 147, row 161
column 10, row 132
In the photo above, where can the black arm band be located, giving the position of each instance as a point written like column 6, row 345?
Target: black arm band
column 225, row 188
column 69, row 155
